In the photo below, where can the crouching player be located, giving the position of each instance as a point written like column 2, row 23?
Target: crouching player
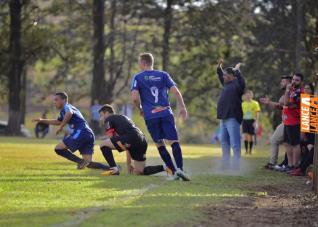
column 125, row 136
column 81, row 139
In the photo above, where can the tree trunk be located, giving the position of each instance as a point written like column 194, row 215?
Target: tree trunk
column 16, row 64
column 166, row 35
column 299, row 34
column 23, row 96
column 98, row 82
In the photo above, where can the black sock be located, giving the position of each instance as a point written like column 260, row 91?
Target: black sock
column 97, row 165
column 68, row 155
column 165, row 156
column 108, row 155
column 177, row 154
column 251, row 146
column 149, row 170
column 246, row 145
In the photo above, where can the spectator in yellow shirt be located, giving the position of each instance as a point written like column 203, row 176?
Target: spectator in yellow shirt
column 251, row 110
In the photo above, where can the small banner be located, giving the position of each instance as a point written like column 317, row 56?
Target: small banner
column 309, row 113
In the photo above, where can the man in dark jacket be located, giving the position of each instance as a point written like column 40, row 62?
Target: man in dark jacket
column 229, row 111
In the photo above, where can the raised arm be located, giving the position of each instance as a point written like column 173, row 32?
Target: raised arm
column 219, row 71
column 238, row 75
column 180, row 103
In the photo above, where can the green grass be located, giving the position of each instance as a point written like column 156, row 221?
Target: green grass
column 38, row 188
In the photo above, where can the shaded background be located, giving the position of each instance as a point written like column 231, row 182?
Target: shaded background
column 90, row 49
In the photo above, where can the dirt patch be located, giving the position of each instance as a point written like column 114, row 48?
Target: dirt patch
column 286, row 205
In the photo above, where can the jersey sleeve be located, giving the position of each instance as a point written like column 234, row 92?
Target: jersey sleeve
column 169, row 81
column 134, row 84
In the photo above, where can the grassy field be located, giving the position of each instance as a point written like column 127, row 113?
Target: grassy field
column 39, row 188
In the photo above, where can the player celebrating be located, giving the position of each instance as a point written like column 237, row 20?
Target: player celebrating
column 125, row 136
column 251, row 110
column 150, row 90
column 81, row 139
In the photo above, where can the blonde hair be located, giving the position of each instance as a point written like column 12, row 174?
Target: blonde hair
column 147, row 58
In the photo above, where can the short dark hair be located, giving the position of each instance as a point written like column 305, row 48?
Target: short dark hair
column 286, row 77
column 229, row 70
column 62, row 95
column 147, row 58
column 106, row 108
column 312, row 87
column 301, row 76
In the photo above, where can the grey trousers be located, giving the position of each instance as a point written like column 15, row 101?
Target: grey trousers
column 276, row 139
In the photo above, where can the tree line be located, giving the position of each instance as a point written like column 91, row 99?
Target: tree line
column 90, row 47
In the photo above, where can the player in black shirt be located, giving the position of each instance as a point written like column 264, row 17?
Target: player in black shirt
column 125, row 136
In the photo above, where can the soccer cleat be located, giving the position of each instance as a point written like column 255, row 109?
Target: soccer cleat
column 169, row 171
column 82, row 164
column 269, row 166
column 111, row 172
column 181, row 174
column 279, row 168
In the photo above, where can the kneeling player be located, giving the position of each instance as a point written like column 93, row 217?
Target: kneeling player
column 125, row 136
column 81, row 139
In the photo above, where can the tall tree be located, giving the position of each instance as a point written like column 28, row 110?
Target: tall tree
column 166, row 34
column 16, row 64
column 299, row 47
column 98, row 82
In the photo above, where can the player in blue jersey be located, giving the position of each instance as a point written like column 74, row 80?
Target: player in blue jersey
column 150, row 93
column 81, row 139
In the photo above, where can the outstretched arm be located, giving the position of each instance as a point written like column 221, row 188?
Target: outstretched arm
column 180, row 103
column 274, row 105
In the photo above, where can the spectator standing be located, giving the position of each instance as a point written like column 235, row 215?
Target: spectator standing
column 229, row 111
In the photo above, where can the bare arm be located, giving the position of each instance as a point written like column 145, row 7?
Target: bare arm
column 180, row 103
column 219, row 71
column 135, row 96
column 130, row 169
column 274, row 105
column 239, row 76
column 67, row 117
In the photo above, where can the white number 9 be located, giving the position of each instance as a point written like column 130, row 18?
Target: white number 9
column 155, row 93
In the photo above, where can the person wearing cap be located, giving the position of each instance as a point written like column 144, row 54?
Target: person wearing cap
column 229, row 111
column 278, row 136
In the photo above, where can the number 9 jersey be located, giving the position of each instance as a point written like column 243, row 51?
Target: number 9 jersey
column 153, row 87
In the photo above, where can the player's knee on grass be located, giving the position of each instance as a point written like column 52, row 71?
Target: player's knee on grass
column 139, row 167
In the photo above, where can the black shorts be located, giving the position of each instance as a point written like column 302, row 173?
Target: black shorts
column 248, row 127
column 136, row 145
column 292, row 134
